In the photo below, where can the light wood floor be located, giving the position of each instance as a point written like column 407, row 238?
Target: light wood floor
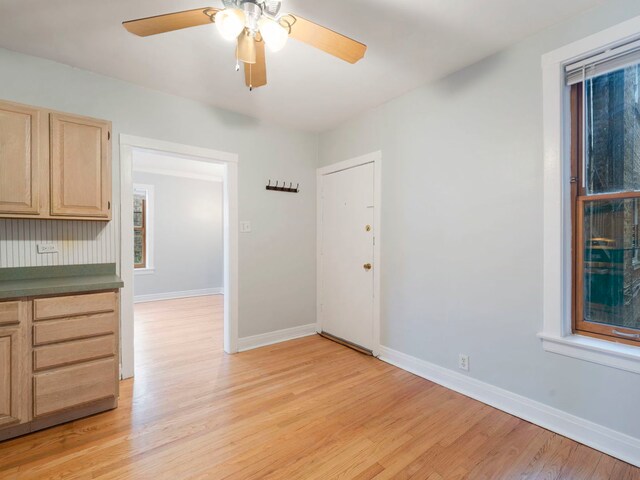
column 305, row 409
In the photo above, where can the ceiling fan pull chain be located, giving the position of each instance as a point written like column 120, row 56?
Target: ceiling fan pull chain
column 250, row 78
column 237, row 61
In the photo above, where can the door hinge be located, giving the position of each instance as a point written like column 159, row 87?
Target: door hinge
column 108, row 205
column 108, row 135
column 573, row 180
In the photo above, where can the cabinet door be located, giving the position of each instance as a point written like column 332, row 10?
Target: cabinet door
column 19, row 159
column 13, row 373
column 80, row 167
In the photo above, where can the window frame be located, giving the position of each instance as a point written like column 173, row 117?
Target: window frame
column 557, row 335
column 148, row 216
column 579, row 199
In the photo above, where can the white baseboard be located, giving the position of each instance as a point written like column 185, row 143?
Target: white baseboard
column 601, row 438
column 171, row 295
column 262, row 340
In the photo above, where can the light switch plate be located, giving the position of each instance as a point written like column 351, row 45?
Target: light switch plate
column 47, row 248
column 245, row 227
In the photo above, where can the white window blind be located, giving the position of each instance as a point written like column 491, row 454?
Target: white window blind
column 605, row 62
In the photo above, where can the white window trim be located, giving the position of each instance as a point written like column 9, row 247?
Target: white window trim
column 149, row 192
column 556, row 335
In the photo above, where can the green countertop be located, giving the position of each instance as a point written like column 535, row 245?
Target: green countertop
column 56, row 280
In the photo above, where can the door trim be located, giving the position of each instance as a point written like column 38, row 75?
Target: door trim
column 128, row 144
column 376, row 159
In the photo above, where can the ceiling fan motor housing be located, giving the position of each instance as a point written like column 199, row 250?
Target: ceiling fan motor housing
column 252, row 13
column 270, row 8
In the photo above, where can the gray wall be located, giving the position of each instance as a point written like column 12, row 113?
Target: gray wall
column 462, row 193
column 462, row 226
column 187, row 235
column 277, row 260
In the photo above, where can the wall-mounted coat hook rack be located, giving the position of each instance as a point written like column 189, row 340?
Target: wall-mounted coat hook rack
column 283, row 188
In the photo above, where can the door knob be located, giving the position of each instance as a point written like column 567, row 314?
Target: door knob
column 367, row 266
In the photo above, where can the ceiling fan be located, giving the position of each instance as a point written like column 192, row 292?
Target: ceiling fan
column 252, row 24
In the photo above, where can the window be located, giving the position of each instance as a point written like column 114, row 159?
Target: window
column 571, row 80
column 605, row 192
column 139, row 230
column 143, row 228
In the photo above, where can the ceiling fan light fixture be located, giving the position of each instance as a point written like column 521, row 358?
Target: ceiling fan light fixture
column 230, row 23
column 274, row 35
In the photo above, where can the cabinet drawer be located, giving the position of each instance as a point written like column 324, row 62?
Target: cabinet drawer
column 68, row 353
column 73, row 386
column 75, row 328
column 9, row 313
column 45, row 308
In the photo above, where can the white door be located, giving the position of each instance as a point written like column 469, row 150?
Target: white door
column 346, row 262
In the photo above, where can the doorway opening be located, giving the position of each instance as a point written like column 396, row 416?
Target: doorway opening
column 178, row 257
column 178, row 249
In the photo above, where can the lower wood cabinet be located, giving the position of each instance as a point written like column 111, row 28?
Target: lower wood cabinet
column 59, row 359
column 14, row 378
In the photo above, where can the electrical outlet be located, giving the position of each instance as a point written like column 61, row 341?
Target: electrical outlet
column 463, row 362
column 47, row 248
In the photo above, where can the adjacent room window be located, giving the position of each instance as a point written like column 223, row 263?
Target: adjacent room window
column 139, row 229
column 143, row 228
column 605, row 181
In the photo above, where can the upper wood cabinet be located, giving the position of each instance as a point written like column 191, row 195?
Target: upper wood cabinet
column 19, row 159
column 80, row 166
column 53, row 165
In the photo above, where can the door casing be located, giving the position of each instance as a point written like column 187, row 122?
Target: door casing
column 129, row 143
column 376, row 159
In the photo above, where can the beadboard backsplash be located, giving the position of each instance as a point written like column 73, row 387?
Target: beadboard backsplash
column 77, row 242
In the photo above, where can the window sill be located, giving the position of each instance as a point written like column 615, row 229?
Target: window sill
column 144, row 271
column 603, row 352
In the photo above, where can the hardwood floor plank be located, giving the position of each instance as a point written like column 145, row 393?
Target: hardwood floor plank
column 306, row 409
column 581, row 464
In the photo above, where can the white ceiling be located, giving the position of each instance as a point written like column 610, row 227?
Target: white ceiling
column 410, row 43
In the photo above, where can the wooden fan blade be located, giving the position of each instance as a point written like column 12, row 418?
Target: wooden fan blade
column 255, row 75
column 246, row 51
column 144, row 27
column 327, row 40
